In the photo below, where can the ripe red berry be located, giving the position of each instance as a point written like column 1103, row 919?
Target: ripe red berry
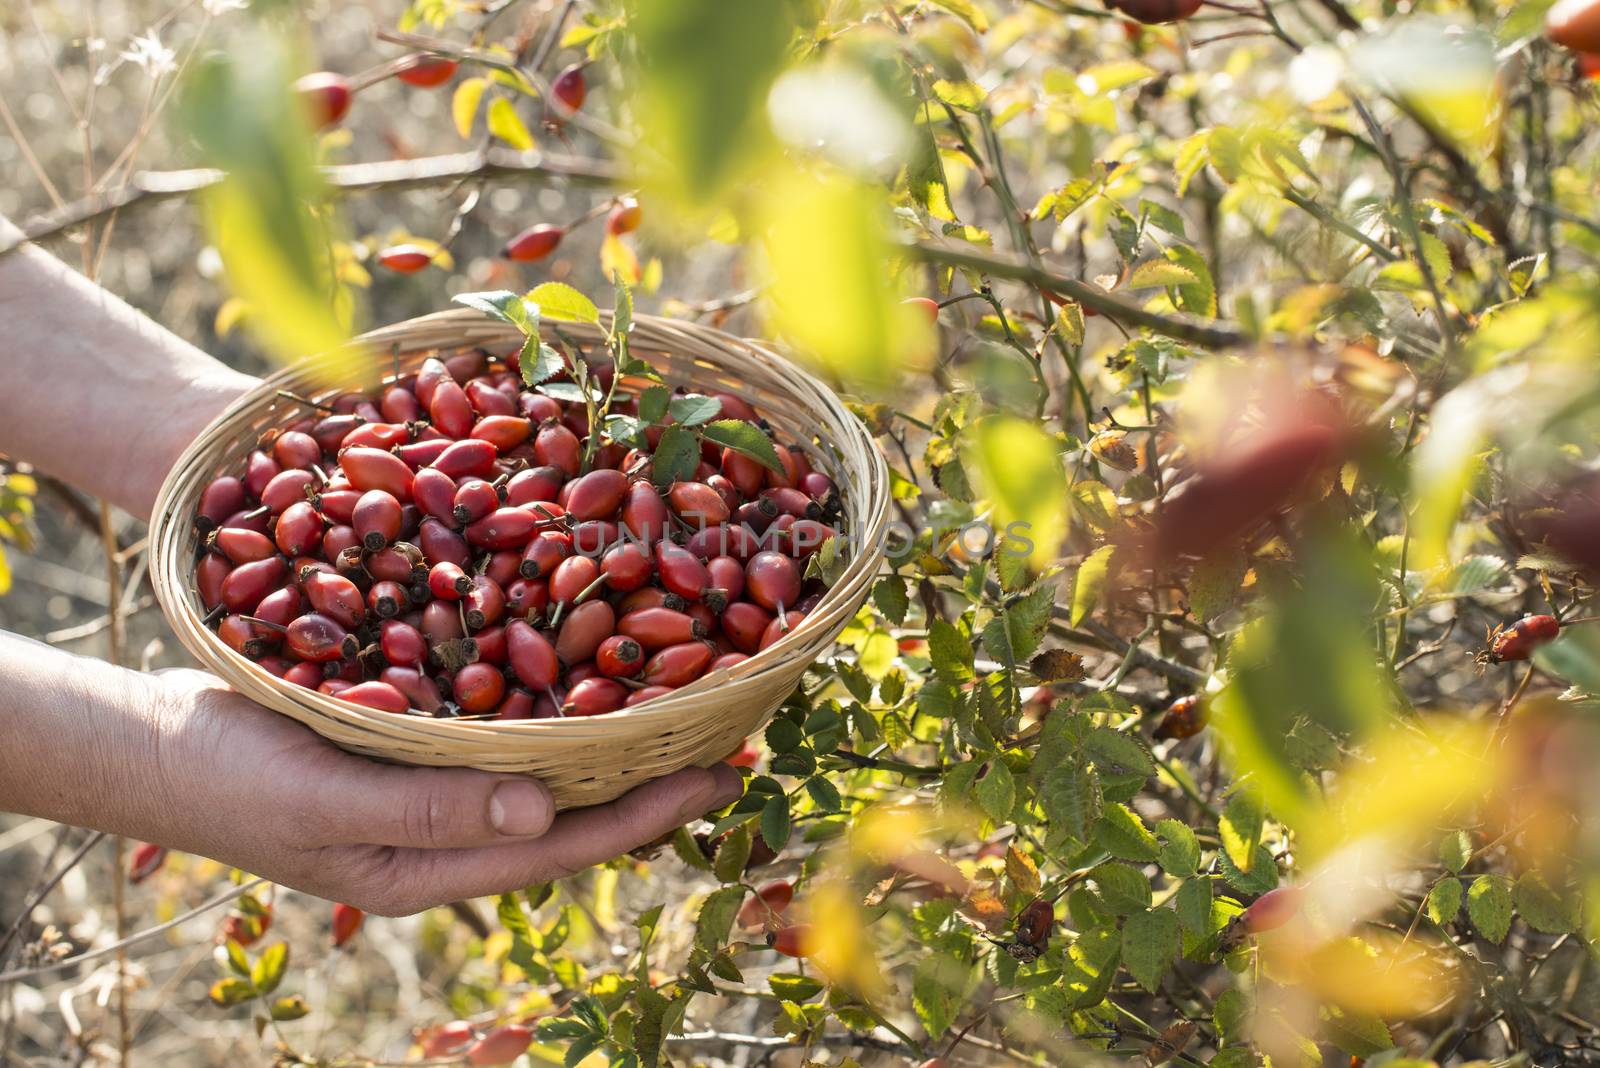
column 531, row 655
column 1152, row 12
column 405, row 259
column 1273, row 909
column 500, row 1046
column 427, row 72
column 1518, row 641
column 594, row 697
column 583, row 629
column 573, row 577
column 619, row 656
column 927, row 305
column 145, row 860
column 379, row 695
column 478, row 688
column 347, row 920
column 568, row 89
column 1184, row 718
column 534, row 243
column 657, row 628
column 596, row 495
column 644, row 513
column 791, row 941
column 1574, row 24
column 772, row 580
column 503, row 430
column 376, row 518
column 624, row 218
column 679, row 665
column 244, row 587
column 325, row 96
column 767, row 908
column 446, row 1040
column 370, row 469
column 697, row 504
column 401, row 643
column 221, row 498
column 557, row 446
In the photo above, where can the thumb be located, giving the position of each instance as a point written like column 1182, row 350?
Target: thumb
column 434, row 808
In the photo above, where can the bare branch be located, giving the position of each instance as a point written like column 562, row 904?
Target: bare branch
column 148, row 187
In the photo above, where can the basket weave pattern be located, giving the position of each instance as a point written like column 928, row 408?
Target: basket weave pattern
column 588, row 760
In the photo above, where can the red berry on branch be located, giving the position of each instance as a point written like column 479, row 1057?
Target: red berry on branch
column 347, row 920
column 145, row 860
column 326, row 97
column 427, row 72
column 405, row 259
column 624, row 218
column 534, row 243
column 569, row 89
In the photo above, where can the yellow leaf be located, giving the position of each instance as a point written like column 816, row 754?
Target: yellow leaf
column 616, row 258
column 464, row 104
column 505, row 124
column 230, row 315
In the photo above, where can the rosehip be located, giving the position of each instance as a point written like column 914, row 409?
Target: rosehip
column 427, row 72
column 298, row 529
column 534, row 243
column 527, row 598
column 405, row 259
column 679, row 665
column 1184, row 718
column 584, row 628
column 644, row 513
column 572, row 577
column 243, row 546
column 1272, row 909
column 500, row 1046
column 772, row 580
column 698, row 504
column 504, row 432
column 531, row 655
column 325, row 97
column 596, row 495
column 780, row 627
column 768, row 906
column 401, row 643
column 927, row 305
column 420, row 691
column 478, row 688
column 376, row 518
column 484, row 603
column 334, row 596
column 568, row 89
column 791, row 941
column 435, row 493
column 377, row 695
column 145, row 860
column 744, row 624
column 619, row 656
column 347, row 921
column 474, row 499
column 370, row 469
column 447, row 581
column 541, row 484
column 1518, row 641
column 624, row 218
column 1035, row 923
column 657, row 628
column 244, row 587
column 317, row 638
column 640, row 696
column 594, row 697
column 446, row 1040
column 557, row 446
column 440, row 544
column 627, row 567
column 221, row 498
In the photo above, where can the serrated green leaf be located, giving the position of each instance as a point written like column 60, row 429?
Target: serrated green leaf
column 733, row 852
column 1444, row 900
column 1124, row 888
column 1547, row 909
column 1090, row 582
column 559, row 301
column 1455, row 849
column 692, row 409
column 1489, row 906
column 775, row 822
column 889, row 595
column 716, row 917
column 1117, row 752
column 1192, row 903
column 745, row 438
column 1090, row 965
column 949, row 651
column 676, row 456
column 1070, row 794
column 1180, row 850
column 1149, row 946
column 1240, row 829
column 1123, row 834
column 1159, row 273
column 996, row 791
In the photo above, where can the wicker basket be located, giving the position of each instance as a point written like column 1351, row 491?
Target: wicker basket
column 583, row 761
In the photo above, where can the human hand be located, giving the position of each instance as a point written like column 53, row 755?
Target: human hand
column 254, row 789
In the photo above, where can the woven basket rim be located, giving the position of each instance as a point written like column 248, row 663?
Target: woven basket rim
column 169, row 528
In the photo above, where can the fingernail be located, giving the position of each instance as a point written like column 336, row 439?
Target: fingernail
column 520, row 808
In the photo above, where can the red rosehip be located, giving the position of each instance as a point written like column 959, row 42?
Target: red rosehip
column 347, row 920
column 405, row 259
column 427, row 72
column 325, row 96
column 534, row 243
column 624, row 218
column 145, row 860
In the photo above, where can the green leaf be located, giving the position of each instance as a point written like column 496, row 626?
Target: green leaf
column 732, row 855
column 538, row 362
column 290, row 1008
column 692, row 409
column 711, row 927
column 1231, row 1015
column 1019, row 467
column 1091, row 582
column 559, row 301
column 1124, row 888
column 796, row 988
column 570, row 392
column 1359, row 1034
column 937, row 991
column 1489, row 906
column 1262, row 876
column 824, row 794
column 507, row 125
column 1180, row 850
column 1149, row 945
column 996, row 791
column 523, row 949
column 950, row 652
column 746, row 439
column 1123, row 834
column 889, row 594
column 1240, row 829
column 676, row 456
column 1546, row 909
column 268, row 970
column 1192, row 903
column 784, row 735
column 1200, row 296
column 654, row 404
column 1153, row 273
column 231, row 991
column 1455, row 849
column 504, row 305
column 1444, row 900
column 1070, row 794
column 1090, row 966
column 775, row 822
column 1118, row 752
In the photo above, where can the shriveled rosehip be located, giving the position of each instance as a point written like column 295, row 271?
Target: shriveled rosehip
column 478, row 688
column 347, row 920
column 1152, row 12
column 772, row 580
column 791, row 941
column 427, row 72
column 583, row 629
column 594, row 697
column 500, row 1046
column 1574, row 24
column 657, row 628
column 405, row 259
column 378, row 695
column 1184, row 718
column 317, row 638
column 767, row 908
column 619, row 656
column 325, row 96
column 927, row 305
column 1273, row 909
column 534, row 243
column 145, row 860
column 624, row 218
column 679, row 665
column 568, row 89
column 1518, row 641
